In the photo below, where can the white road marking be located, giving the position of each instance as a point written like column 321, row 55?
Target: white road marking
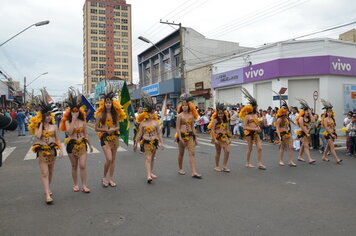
column 7, row 152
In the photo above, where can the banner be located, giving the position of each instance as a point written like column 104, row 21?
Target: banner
column 89, row 109
column 125, row 101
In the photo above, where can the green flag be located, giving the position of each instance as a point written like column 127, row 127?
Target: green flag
column 125, row 101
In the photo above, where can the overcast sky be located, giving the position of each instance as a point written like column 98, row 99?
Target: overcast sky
column 57, row 48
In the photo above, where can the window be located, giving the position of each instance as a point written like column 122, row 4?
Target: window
column 125, row 40
column 102, row 12
column 102, row 38
column 124, row 34
column 101, row 45
column 94, row 66
column 125, row 73
column 101, row 18
column 94, row 38
column 101, row 4
column 101, row 31
column 93, row 17
column 117, row 73
column 124, row 14
column 125, row 67
column 93, row 72
column 117, row 7
column 93, row 24
column 93, row 4
column 101, row 25
column 125, row 54
column 94, row 58
column 117, row 60
column 102, row 52
column 93, row 31
column 94, row 80
column 125, row 60
column 117, row 20
column 117, row 66
column 124, row 27
column 117, row 27
column 117, row 47
column 102, row 66
column 124, row 21
column 117, row 53
column 117, row 40
column 125, row 47
column 94, row 51
column 117, row 13
column 94, row 11
column 116, row 33
column 103, row 59
column 124, row 8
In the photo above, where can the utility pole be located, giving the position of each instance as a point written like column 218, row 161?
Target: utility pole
column 182, row 66
column 24, row 90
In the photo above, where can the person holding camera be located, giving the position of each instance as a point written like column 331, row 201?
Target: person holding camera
column 44, row 128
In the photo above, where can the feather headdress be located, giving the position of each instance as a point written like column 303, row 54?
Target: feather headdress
column 186, row 97
column 327, row 105
column 303, row 104
column 110, row 92
column 74, row 99
column 249, row 97
column 42, row 101
column 149, row 105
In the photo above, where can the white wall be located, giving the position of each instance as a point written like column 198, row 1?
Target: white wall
column 229, row 95
column 264, row 95
column 303, row 88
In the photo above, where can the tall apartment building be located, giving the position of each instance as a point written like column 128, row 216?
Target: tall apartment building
column 107, row 42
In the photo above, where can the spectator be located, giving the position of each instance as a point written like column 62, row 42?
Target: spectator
column 13, row 114
column 351, row 128
column 20, row 118
column 294, row 128
column 347, row 121
column 314, row 133
column 167, row 122
column 233, row 117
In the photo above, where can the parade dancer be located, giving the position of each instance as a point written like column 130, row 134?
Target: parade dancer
column 185, row 136
column 220, row 136
column 44, row 128
column 304, row 119
column 108, row 116
column 74, row 124
column 252, row 129
column 284, row 134
column 149, row 135
column 328, row 122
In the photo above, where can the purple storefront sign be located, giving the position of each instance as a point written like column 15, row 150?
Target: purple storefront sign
column 227, row 78
column 287, row 67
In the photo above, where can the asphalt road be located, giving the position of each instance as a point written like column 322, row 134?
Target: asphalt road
column 308, row 200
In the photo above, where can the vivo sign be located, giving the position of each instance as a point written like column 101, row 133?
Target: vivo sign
column 254, row 73
column 341, row 66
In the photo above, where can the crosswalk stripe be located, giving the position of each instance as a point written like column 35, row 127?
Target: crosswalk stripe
column 7, row 152
column 30, row 155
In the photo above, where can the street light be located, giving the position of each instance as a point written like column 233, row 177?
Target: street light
column 25, row 85
column 148, row 41
column 37, row 24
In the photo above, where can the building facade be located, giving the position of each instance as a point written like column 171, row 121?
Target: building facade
column 348, row 36
column 107, row 39
column 309, row 69
column 177, row 62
